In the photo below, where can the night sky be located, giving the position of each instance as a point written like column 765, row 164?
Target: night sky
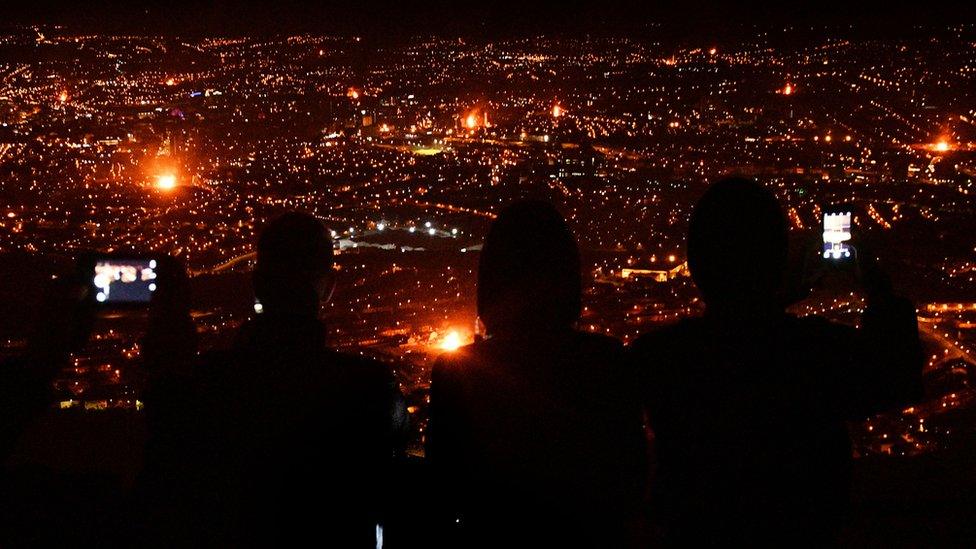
column 489, row 19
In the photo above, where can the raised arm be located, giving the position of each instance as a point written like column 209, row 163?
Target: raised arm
column 62, row 327
column 886, row 348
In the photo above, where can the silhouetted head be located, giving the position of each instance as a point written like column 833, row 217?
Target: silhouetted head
column 529, row 274
column 737, row 245
column 294, row 269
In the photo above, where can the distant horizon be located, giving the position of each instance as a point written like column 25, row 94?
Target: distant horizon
column 381, row 21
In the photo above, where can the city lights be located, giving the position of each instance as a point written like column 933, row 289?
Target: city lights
column 410, row 154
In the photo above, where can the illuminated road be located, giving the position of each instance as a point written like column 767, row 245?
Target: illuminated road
column 444, row 207
column 928, row 327
column 227, row 264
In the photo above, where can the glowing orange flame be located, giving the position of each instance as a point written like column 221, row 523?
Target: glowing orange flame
column 942, row 146
column 451, row 342
column 166, row 182
column 170, row 81
column 788, row 89
column 471, row 122
column 63, row 97
column 557, row 111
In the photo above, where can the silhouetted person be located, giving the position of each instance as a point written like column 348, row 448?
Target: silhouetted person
column 62, row 327
column 50, row 504
column 748, row 404
column 535, row 438
column 38, row 503
column 284, row 440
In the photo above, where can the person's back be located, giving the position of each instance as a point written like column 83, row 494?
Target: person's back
column 279, row 440
column 749, row 425
column 534, row 436
column 538, row 439
column 304, row 436
column 748, row 404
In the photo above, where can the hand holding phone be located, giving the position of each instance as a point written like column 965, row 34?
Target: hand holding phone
column 170, row 345
column 842, row 248
column 156, row 284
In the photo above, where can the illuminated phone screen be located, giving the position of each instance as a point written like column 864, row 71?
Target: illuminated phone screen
column 837, row 235
column 124, row 281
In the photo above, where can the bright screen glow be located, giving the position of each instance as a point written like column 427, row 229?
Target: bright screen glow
column 836, row 235
column 124, row 280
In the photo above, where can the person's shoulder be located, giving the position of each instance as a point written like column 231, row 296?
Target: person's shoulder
column 216, row 363
column 591, row 341
column 215, row 358
column 460, row 360
column 13, row 366
column 817, row 325
column 358, row 365
column 665, row 336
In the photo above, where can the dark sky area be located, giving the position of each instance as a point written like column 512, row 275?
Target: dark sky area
column 488, row 19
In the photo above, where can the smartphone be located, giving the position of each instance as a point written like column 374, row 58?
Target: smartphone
column 120, row 281
column 837, row 234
